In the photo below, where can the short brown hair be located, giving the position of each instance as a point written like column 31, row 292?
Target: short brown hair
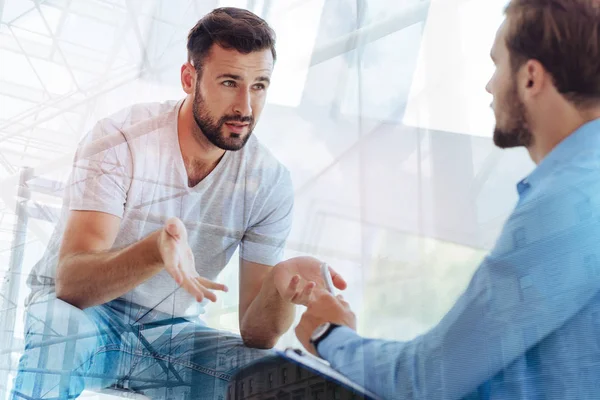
column 564, row 36
column 230, row 28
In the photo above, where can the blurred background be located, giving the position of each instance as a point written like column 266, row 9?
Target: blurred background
column 377, row 107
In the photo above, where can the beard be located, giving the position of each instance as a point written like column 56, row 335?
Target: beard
column 215, row 130
column 515, row 131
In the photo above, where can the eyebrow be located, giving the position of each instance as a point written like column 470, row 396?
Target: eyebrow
column 239, row 78
column 264, row 79
column 230, row 76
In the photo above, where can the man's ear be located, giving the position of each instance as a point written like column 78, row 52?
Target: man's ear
column 535, row 77
column 188, row 78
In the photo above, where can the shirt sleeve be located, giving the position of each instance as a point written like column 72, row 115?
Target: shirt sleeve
column 102, row 171
column 542, row 272
column 264, row 241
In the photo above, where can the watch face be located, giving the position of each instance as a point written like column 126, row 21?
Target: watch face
column 321, row 329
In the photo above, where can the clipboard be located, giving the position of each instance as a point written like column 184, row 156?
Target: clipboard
column 323, row 368
column 263, row 379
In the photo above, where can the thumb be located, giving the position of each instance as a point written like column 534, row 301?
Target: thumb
column 175, row 228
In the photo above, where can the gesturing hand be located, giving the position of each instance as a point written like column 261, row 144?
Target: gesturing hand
column 297, row 278
column 178, row 260
column 323, row 307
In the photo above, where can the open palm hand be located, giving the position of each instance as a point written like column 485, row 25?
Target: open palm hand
column 298, row 277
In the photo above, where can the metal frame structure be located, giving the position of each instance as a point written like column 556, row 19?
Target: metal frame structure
column 27, row 138
column 26, row 210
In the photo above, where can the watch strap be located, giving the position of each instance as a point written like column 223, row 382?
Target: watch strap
column 325, row 334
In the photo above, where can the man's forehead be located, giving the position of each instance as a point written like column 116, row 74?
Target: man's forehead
column 499, row 40
column 256, row 62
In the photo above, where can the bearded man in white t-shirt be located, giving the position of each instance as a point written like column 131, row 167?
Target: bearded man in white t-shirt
column 159, row 198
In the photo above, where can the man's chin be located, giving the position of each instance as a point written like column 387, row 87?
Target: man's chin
column 505, row 140
column 233, row 143
column 233, row 147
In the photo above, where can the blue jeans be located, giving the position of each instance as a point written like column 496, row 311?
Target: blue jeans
column 68, row 350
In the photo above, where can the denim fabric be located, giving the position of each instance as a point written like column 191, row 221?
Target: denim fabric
column 119, row 344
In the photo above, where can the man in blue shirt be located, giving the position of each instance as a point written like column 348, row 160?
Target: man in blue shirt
column 528, row 325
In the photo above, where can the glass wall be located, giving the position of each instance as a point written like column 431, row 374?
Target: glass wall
column 377, row 108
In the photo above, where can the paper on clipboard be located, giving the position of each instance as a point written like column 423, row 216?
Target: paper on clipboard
column 322, row 367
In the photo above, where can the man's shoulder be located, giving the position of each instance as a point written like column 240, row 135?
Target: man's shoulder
column 129, row 123
column 565, row 202
column 141, row 117
column 573, row 178
column 138, row 112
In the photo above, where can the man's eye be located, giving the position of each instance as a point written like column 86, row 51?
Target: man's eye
column 229, row 83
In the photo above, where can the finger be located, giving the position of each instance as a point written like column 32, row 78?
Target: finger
column 176, row 276
column 210, row 295
column 319, row 296
column 194, row 288
column 174, row 272
column 207, row 283
column 206, row 292
column 304, row 297
column 175, row 228
column 337, row 279
column 293, row 286
column 292, row 290
column 172, row 231
column 202, row 290
column 308, row 291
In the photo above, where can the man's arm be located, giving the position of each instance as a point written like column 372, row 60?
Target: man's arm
column 268, row 296
column 89, row 273
column 485, row 331
column 89, row 270
column 541, row 273
column 264, row 314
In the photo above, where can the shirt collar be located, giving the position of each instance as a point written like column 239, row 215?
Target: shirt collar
column 586, row 135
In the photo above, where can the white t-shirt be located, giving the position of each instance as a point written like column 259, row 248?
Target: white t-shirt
column 130, row 165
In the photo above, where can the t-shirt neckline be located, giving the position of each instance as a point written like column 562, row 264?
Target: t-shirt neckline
column 179, row 157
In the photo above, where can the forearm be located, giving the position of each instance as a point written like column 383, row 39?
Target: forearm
column 89, row 279
column 482, row 334
column 267, row 318
column 385, row 368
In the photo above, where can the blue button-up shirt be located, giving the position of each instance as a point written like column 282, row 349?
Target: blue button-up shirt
column 528, row 325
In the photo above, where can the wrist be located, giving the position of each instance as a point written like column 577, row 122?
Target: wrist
column 321, row 333
column 269, row 287
column 154, row 242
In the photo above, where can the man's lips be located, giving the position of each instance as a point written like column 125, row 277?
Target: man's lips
column 236, row 127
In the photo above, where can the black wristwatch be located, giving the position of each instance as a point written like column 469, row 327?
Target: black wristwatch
column 321, row 333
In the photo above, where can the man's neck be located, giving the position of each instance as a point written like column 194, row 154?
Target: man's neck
column 200, row 156
column 196, row 171
column 549, row 132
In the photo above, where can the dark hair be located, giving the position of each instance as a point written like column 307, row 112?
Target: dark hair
column 230, row 28
column 564, row 36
